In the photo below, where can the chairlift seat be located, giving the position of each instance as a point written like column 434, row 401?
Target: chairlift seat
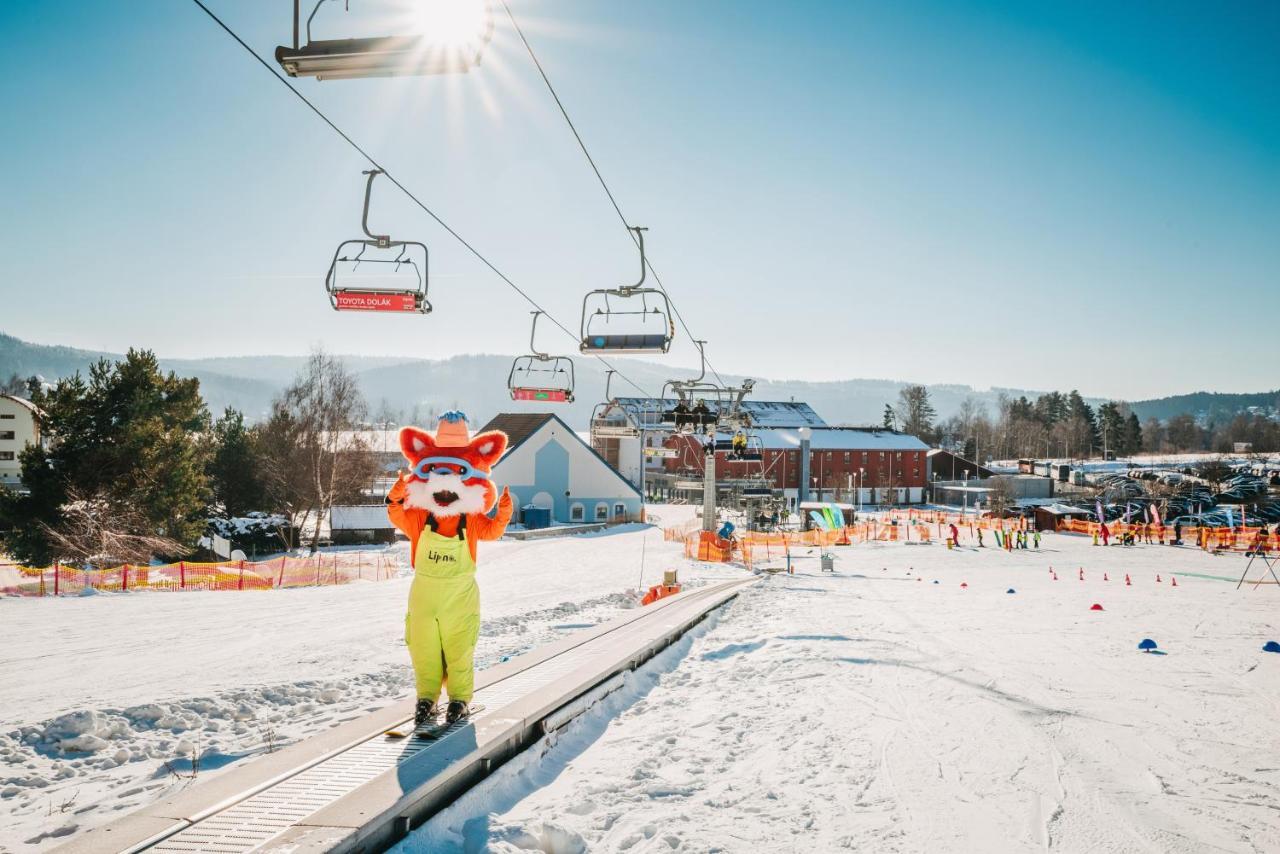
column 641, row 343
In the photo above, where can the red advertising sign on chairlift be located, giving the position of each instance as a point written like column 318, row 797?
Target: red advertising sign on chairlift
column 375, row 301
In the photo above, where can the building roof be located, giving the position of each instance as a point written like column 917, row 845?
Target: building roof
column 22, row 401
column 518, row 426
column 950, row 458
column 842, row 439
column 764, row 413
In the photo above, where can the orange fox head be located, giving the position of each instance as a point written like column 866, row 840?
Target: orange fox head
column 449, row 475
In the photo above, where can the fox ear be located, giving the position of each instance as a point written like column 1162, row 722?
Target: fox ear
column 488, row 448
column 415, row 443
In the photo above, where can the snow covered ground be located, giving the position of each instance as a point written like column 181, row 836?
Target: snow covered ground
column 106, row 700
column 875, row 710
column 868, row 709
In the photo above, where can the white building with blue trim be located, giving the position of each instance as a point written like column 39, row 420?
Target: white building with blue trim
column 547, row 465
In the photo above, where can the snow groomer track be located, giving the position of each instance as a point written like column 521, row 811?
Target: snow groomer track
column 352, row 789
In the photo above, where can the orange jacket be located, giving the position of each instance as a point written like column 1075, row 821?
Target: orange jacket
column 412, row 520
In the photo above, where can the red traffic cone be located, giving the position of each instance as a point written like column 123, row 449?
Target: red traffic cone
column 1095, row 607
column 1157, row 578
column 1173, row 580
column 1082, row 573
column 1127, row 582
column 1104, row 577
column 964, row 584
column 1055, row 576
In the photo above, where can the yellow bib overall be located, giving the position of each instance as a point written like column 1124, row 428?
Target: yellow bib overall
column 443, row 622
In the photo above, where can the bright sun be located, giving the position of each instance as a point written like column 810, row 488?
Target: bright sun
column 453, row 23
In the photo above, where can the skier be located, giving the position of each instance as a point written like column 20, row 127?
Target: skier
column 441, row 505
column 1177, row 533
column 955, row 535
column 680, row 414
column 739, row 445
column 701, row 415
column 1106, row 534
column 1037, row 538
column 980, row 545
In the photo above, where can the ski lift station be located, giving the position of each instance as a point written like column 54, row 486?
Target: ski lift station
column 860, row 465
column 629, row 433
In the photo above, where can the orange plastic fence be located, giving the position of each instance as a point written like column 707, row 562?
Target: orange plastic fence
column 1209, row 539
column 317, row 569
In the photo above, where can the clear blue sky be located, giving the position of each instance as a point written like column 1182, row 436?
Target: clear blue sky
column 997, row 193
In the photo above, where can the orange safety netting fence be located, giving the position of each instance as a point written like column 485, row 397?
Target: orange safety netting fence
column 752, row 547
column 1209, row 539
column 314, row 570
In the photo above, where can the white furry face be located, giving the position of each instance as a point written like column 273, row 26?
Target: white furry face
column 446, row 495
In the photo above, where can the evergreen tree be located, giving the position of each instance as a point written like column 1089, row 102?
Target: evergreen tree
column 1083, row 411
column 1132, row 434
column 915, row 412
column 1112, row 426
column 128, row 435
column 234, row 472
column 889, row 417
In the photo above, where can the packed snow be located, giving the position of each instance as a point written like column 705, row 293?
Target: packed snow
column 872, row 709
column 111, row 701
column 868, row 709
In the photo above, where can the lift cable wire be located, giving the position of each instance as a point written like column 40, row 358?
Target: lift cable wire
column 376, row 165
column 613, row 201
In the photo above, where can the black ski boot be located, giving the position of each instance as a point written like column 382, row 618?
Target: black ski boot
column 424, row 717
column 458, row 709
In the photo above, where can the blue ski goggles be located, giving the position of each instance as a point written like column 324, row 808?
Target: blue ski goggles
column 447, row 465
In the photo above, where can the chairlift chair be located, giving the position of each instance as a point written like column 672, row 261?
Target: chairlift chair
column 628, row 320
column 388, row 56
column 352, row 289
column 540, row 377
column 754, row 451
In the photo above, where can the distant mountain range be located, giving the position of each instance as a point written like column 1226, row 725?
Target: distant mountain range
column 476, row 383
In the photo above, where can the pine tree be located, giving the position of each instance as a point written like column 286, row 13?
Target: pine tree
column 1132, row 434
column 234, row 472
column 915, row 412
column 889, row 417
column 128, row 435
column 1083, row 411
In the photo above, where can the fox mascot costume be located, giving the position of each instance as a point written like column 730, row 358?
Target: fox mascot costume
column 441, row 504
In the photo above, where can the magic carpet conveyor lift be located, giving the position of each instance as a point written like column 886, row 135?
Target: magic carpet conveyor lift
column 350, row 789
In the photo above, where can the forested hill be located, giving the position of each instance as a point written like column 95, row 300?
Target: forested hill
column 477, row 383
column 1208, row 406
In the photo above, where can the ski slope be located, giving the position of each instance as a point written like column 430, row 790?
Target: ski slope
column 866, row 709
column 107, row 701
column 874, row 710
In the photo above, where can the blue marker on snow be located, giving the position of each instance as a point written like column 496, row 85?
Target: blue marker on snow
column 1146, row 645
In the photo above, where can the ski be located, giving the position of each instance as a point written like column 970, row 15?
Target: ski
column 440, row 727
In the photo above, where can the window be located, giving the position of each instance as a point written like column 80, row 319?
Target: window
column 577, row 513
column 602, row 512
column 6, row 455
column 846, row 458
column 619, row 511
column 6, row 434
column 6, row 416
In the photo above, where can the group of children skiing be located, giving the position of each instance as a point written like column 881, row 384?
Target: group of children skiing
column 1019, row 538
